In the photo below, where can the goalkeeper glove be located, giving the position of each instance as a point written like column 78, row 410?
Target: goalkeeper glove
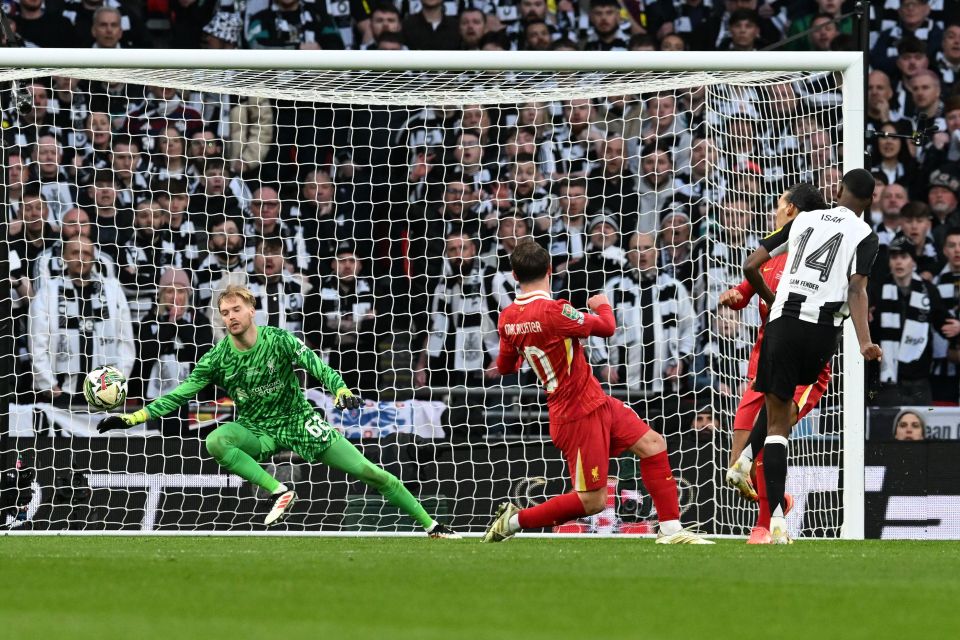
column 124, row 421
column 346, row 399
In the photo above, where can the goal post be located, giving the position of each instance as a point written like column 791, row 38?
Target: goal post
column 368, row 120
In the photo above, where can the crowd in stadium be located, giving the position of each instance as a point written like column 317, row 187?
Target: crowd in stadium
column 379, row 232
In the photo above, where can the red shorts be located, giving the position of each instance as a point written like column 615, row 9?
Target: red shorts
column 590, row 442
column 805, row 397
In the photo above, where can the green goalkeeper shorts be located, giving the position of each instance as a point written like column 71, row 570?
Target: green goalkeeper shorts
column 308, row 435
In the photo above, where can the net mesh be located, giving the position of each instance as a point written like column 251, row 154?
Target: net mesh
column 373, row 214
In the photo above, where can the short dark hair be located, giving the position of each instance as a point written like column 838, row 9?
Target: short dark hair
column 806, row 197
column 859, row 183
column 269, row 244
column 952, row 231
column 529, row 261
column 915, row 209
column 385, row 7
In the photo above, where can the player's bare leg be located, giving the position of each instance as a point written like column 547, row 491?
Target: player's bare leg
column 658, row 478
column 780, row 412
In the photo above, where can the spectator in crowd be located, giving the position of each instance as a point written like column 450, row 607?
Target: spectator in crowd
column 894, row 198
column 126, row 163
column 659, row 189
column 611, row 185
column 224, row 255
column 945, row 144
column 603, row 258
column 915, row 225
column 121, row 26
column 461, row 343
column 145, row 255
column 676, row 258
column 325, row 224
column 719, row 29
column 827, row 12
column 291, row 24
column 721, row 361
column 162, row 108
column 265, row 222
column 45, row 29
column 455, row 213
column 942, row 198
column 906, row 309
column 568, row 233
column 106, row 30
column 114, row 221
column 344, row 324
column 909, row 426
column 473, row 26
column 30, row 232
column 606, row 31
column 252, row 132
column 171, row 337
column 384, row 18
column 222, row 31
column 431, row 27
column 279, row 295
column 663, row 126
column 925, row 107
column 536, row 36
column 78, row 321
column 945, row 381
column 213, row 194
column 47, row 159
column 914, row 23
column 656, row 326
column 673, row 42
column 76, row 224
column 687, row 19
column 891, row 157
column 881, row 106
column 947, row 62
column 173, row 198
column 574, row 138
column 501, row 285
column 744, row 32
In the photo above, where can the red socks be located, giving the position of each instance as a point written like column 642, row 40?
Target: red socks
column 763, row 519
column 554, row 511
column 658, row 479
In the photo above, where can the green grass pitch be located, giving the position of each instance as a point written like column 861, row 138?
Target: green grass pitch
column 398, row 588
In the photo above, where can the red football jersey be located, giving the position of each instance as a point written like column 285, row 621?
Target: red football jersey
column 771, row 272
column 546, row 333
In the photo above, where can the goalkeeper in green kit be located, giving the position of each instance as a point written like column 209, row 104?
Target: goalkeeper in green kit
column 256, row 367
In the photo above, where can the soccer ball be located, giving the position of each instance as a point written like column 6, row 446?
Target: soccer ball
column 105, row 387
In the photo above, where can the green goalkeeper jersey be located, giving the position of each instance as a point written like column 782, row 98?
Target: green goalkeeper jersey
column 262, row 380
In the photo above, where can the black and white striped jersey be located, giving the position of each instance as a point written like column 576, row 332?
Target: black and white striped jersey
column 824, row 249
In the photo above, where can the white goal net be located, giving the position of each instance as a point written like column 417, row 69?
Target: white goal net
column 373, row 213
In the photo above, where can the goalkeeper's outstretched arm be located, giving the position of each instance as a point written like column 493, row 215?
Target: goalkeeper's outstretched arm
column 331, row 379
column 198, row 379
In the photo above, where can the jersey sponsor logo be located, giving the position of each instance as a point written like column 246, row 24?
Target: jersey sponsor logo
column 572, row 313
column 266, row 389
column 520, row 328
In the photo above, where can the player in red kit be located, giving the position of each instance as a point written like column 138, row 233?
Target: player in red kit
column 587, row 425
column 749, row 424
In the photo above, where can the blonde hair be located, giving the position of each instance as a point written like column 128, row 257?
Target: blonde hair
column 236, row 291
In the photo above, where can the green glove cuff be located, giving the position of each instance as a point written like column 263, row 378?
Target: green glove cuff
column 137, row 417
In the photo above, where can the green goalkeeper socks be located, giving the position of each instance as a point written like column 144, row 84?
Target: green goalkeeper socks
column 344, row 456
